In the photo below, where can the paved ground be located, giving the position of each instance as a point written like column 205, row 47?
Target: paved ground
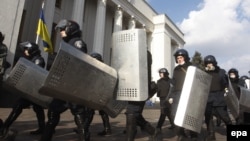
column 64, row 131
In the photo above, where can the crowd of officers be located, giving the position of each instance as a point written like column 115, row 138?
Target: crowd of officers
column 168, row 90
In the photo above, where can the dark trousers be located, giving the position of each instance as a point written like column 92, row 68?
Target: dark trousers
column 220, row 111
column 165, row 111
column 17, row 110
column 135, row 118
column 57, row 107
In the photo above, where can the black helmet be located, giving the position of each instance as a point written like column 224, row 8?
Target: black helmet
column 164, row 71
column 71, row 28
column 96, row 56
column 235, row 71
column 210, row 59
column 182, row 52
column 32, row 48
column 1, row 37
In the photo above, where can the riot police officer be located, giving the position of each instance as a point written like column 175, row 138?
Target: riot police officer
column 163, row 87
column 3, row 54
column 179, row 74
column 89, row 113
column 216, row 102
column 71, row 34
column 104, row 115
column 31, row 52
column 246, row 115
column 233, row 74
column 134, row 111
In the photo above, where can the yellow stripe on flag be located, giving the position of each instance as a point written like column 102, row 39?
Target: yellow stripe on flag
column 43, row 33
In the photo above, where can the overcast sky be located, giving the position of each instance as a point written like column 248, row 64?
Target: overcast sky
column 213, row 27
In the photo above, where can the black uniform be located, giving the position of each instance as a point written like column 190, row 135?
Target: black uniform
column 216, row 102
column 22, row 103
column 134, row 111
column 235, row 85
column 57, row 106
column 178, row 78
column 3, row 54
column 163, row 87
column 90, row 112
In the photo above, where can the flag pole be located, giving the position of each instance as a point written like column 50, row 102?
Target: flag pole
column 37, row 36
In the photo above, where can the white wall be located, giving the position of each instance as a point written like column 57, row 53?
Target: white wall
column 10, row 23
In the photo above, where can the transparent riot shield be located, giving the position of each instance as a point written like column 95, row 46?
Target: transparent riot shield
column 232, row 100
column 78, row 78
column 194, row 95
column 26, row 79
column 129, row 58
column 244, row 99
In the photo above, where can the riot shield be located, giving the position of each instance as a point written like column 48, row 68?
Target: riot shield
column 78, row 78
column 26, row 79
column 247, row 81
column 194, row 95
column 129, row 58
column 244, row 99
column 232, row 100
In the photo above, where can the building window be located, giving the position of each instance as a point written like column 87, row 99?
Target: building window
column 58, row 3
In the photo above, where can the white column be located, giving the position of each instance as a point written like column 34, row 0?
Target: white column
column 100, row 27
column 118, row 19
column 132, row 23
column 78, row 11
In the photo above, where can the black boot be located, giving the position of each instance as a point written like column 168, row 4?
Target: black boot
column 4, row 130
column 157, row 135
column 106, row 124
column 171, row 121
column 83, row 122
column 53, row 120
column 211, row 136
column 149, row 129
column 48, row 132
column 79, row 120
column 180, row 133
column 8, row 135
column 40, row 119
column 130, row 127
column 161, row 121
column 210, row 130
column 41, row 127
column 194, row 136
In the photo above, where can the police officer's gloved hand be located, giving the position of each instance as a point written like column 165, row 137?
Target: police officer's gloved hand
column 226, row 92
column 171, row 100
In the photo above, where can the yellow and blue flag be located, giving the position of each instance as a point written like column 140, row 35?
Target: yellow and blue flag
column 43, row 33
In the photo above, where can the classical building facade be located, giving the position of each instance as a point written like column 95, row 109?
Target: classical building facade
column 98, row 19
